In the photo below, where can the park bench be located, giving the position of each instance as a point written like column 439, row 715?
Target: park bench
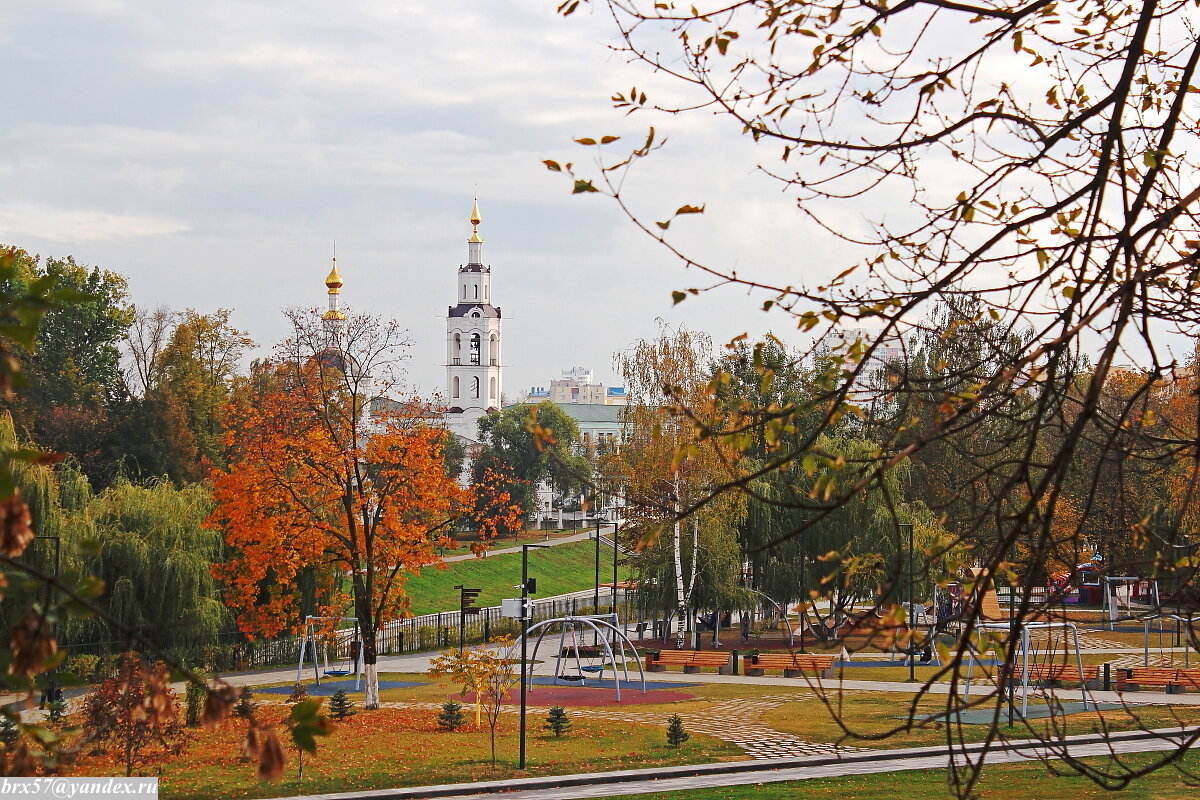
column 1170, row 678
column 792, row 664
column 690, row 660
column 1055, row 674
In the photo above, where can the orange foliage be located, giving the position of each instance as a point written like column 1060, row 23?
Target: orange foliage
column 314, row 485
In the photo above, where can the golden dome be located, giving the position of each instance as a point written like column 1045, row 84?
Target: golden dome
column 475, row 218
column 333, row 280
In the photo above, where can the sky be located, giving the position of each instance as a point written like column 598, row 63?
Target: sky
column 212, row 153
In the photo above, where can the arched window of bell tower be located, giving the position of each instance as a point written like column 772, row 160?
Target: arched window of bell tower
column 454, row 387
column 491, row 388
column 475, row 388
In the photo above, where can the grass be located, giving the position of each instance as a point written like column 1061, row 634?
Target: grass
column 403, row 747
column 559, row 570
column 873, row 714
column 999, row 782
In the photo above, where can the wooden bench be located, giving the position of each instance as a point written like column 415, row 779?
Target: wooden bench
column 792, row 664
column 1055, row 674
column 1170, row 678
column 690, row 660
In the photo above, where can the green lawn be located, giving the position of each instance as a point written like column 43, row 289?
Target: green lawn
column 999, row 782
column 560, row 569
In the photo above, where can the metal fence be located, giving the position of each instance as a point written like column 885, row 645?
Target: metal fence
column 232, row 652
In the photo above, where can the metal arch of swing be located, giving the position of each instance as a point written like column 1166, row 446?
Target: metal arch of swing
column 598, row 624
column 1108, row 609
column 1025, row 645
column 309, row 639
column 1187, row 650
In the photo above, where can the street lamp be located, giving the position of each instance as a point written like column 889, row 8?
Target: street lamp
column 616, row 527
column 528, row 587
column 912, row 617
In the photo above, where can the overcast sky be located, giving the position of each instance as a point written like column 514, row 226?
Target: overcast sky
column 211, row 152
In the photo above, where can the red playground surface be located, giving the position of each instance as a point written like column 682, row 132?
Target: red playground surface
column 581, row 696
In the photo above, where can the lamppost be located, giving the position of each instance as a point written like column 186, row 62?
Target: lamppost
column 528, row 587
column 616, row 527
column 51, row 689
column 912, row 619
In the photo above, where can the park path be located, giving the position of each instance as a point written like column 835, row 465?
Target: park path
column 703, row 776
column 737, row 721
column 586, row 534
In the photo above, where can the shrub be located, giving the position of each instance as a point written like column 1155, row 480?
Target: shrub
column 557, row 721
column 84, row 667
column 451, row 717
column 57, row 712
column 340, row 705
column 136, row 712
column 299, row 693
column 676, row 735
column 245, row 704
column 194, row 698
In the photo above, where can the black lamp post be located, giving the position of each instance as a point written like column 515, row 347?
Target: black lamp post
column 616, row 528
column 528, row 587
column 912, row 617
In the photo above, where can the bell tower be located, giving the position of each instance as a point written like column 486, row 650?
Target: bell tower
column 473, row 366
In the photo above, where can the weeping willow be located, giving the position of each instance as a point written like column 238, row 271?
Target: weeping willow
column 146, row 542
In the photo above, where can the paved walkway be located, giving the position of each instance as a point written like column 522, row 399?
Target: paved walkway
column 739, row 722
column 585, row 534
column 701, row 776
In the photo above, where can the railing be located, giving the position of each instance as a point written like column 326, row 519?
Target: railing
column 230, row 651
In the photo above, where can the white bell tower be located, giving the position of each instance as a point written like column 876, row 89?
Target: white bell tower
column 473, row 366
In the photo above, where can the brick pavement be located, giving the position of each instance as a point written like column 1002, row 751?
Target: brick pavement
column 737, row 721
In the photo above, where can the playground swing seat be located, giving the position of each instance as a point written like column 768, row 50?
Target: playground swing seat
column 308, row 645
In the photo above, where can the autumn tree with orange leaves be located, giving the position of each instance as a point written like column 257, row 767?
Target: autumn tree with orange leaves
column 327, row 479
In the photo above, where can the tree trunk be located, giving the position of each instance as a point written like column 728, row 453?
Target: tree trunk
column 370, row 671
column 370, row 652
column 680, row 591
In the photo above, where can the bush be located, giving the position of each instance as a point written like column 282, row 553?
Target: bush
column 194, row 696
column 340, row 705
column 137, row 713
column 57, row 711
column 557, row 721
column 676, row 735
column 299, row 693
column 451, row 717
column 9, row 732
column 245, row 704
column 84, row 667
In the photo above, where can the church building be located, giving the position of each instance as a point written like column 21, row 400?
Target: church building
column 473, row 366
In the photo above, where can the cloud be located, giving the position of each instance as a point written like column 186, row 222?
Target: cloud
column 18, row 222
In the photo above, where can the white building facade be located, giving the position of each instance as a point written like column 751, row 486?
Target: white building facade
column 473, row 366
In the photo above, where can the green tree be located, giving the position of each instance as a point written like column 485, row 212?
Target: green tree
column 688, row 555
column 197, row 368
column 676, row 735
column 451, row 718
column 340, row 705
column 557, row 721
column 531, row 443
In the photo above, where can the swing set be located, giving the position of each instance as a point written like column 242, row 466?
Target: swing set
column 1025, row 646
column 605, row 628
column 1187, row 642
column 342, row 667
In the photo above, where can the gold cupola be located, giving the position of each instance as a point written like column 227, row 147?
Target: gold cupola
column 333, row 282
column 475, row 243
